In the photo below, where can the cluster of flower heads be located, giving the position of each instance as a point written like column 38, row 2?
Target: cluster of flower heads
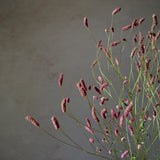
column 122, row 113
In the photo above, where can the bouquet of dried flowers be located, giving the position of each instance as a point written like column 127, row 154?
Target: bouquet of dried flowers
column 131, row 127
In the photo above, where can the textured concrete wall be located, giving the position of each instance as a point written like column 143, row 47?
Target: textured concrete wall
column 38, row 40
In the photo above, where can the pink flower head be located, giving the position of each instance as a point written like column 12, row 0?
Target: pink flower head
column 139, row 146
column 131, row 130
column 60, row 79
column 67, row 100
column 81, row 90
column 33, row 121
column 97, row 90
column 126, row 27
column 55, row 122
column 95, row 97
column 103, row 85
column 117, row 114
column 89, row 87
column 103, row 113
column 94, row 115
column 141, row 20
column 89, row 129
column 105, row 52
column 116, row 132
column 115, row 43
column 119, row 107
column 83, row 84
column 121, row 121
column 88, row 122
column 100, row 79
column 139, row 54
column 116, row 61
column 112, row 29
column 91, row 140
column 113, row 114
column 156, row 105
column 103, row 139
column 128, row 109
column 134, row 38
column 124, row 153
column 116, row 11
column 110, row 151
column 63, row 105
column 125, row 82
column 85, row 22
column 134, row 23
column 142, row 48
column 154, row 114
column 133, row 51
column 93, row 63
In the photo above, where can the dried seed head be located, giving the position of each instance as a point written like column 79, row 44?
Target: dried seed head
column 116, row 11
column 60, row 79
column 33, row 121
column 85, row 22
column 55, row 122
column 116, row 61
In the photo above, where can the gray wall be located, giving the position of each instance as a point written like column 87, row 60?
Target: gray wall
column 38, row 40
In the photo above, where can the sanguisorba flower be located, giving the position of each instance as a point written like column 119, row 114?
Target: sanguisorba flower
column 63, row 105
column 116, row 11
column 94, row 115
column 55, row 122
column 60, row 81
column 124, row 153
column 33, row 121
column 85, row 22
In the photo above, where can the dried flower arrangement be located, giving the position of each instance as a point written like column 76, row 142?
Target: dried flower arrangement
column 132, row 127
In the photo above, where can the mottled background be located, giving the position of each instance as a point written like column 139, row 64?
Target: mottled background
column 38, row 40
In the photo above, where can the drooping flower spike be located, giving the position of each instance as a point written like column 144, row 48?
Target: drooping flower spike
column 116, row 11
column 33, row 121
